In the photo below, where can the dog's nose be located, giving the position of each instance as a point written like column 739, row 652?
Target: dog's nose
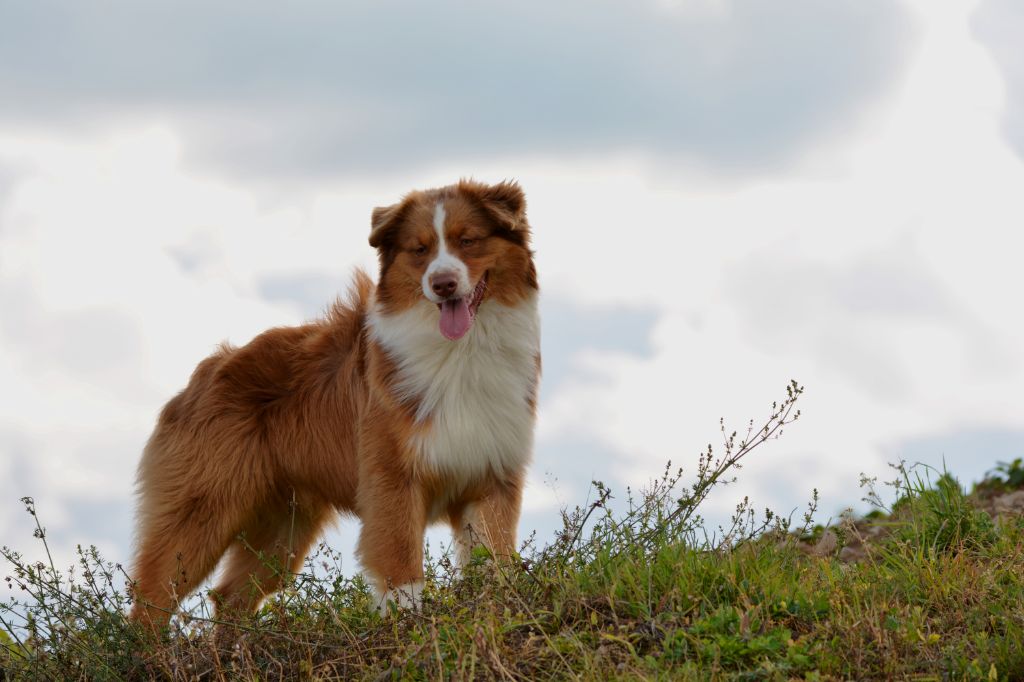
column 444, row 285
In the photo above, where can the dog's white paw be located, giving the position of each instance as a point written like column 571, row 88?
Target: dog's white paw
column 407, row 596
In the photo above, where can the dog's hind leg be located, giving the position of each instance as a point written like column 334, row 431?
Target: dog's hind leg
column 177, row 551
column 270, row 547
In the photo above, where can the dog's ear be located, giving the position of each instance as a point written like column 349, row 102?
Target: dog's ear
column 385, row 219
column 504, row 202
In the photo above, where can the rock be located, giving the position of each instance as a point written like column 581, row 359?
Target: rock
column 1010, row 503
column 850, row 554
column 877, row 531
column 826, row 545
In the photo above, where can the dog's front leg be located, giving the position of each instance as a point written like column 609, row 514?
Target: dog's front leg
column 392, row 508
column 490, row 521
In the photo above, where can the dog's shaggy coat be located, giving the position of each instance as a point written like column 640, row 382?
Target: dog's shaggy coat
column 411, row 402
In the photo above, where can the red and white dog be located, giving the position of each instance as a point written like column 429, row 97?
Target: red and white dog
column 412, row 402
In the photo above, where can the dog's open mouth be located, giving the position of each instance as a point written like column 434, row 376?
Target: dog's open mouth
column 457, row 314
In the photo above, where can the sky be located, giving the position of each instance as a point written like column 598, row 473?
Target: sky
column 724, row 195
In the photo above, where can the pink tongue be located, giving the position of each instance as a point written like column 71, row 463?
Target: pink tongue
column 455, row 318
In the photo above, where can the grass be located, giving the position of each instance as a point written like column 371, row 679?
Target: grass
column 641, row 593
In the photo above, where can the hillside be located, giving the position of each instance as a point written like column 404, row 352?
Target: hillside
column 927, row 586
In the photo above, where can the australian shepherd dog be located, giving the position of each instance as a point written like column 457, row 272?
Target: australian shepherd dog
column 411, row 402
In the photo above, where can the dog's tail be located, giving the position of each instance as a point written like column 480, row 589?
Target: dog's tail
column 352, row 308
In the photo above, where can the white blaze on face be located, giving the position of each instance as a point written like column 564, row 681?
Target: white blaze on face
column 444, row 263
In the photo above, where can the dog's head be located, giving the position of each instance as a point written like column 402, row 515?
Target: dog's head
column 455, row 247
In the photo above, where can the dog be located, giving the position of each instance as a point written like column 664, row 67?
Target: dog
column 409, row 403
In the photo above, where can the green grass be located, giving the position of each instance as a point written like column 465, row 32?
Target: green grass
column 642, row 593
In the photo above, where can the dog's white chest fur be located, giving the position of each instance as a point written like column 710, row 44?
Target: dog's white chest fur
column 474, row 392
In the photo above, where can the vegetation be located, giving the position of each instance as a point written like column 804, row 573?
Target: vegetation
column 927, row 587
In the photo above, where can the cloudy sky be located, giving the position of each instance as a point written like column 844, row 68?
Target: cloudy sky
column 725, row 195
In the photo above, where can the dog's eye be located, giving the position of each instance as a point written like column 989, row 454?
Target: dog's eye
column 420, row 250
column 466, row 243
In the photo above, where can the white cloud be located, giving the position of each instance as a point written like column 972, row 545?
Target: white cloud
column 999, row 24
column 322, row 88
column 886, row 288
